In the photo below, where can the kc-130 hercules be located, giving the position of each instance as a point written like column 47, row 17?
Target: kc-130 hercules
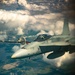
column 57, row 44
column 44, row 43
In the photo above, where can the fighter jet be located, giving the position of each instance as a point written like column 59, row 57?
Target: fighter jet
column 57, row 44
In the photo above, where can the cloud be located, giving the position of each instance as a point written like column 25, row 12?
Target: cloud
column 60, row 61
column 19, row 31
column 16, row 18
column 15, row 48
column 13, row 18
column 21, row 21
column 31, row 6
column 49, row 16
column 10, row 66
column 3, row 37
column 51, row 32
column 7, row 1
column 2, row 32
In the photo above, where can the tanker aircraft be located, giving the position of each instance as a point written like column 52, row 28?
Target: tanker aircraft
column 57, row 44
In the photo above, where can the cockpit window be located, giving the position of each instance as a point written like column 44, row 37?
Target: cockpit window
column 42, row 37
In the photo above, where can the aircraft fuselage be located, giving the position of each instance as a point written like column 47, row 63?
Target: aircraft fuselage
column 36, row 48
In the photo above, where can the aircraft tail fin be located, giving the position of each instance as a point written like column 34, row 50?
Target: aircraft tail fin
column 65, row 27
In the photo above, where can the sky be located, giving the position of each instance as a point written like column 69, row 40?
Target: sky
column 20, row 16
column 26, row 17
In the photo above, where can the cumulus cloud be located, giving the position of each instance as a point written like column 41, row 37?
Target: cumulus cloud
column 59, row 27
column 15, row 48
column 64, row 58
column 60, row 61
column 51, row 32
column 16, row 20
column 2, row 32
column 10, row 65
column 23, row 22
column 13, row 18
column 7, row 1
column 49, row 16
column 19, row 31
column 20, row 22
column 3, row 37
column 31, row 6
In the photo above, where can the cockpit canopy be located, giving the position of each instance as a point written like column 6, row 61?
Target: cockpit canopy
column 42, row 37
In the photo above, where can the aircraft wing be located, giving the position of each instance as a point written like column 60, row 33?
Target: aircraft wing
column 21, row 40
column 58, row 50
column 8, row 41
column 12, row 41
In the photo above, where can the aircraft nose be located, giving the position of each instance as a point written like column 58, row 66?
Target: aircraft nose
column 13, row 56
column 19, row 54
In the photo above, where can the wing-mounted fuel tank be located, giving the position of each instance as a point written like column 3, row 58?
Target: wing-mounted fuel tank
column 55, row 55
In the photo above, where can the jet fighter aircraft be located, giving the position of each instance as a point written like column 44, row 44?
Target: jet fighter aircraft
column 44, row 43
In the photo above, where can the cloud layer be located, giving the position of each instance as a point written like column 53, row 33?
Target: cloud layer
column 29, row 17
column 19, row 18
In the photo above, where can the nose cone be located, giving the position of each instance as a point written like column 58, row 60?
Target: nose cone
column 13, row 56
column 19, row 54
